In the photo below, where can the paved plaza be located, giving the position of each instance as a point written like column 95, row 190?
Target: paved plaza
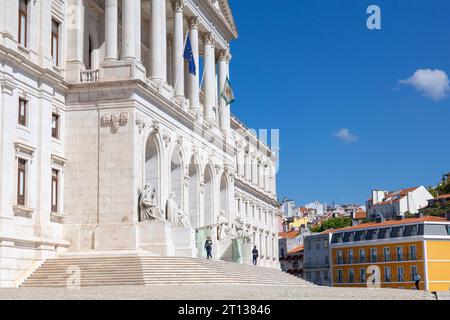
column 212, row 292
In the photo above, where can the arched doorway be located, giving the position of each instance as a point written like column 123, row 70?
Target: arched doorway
column 152, row 167
column 194, row 194
column 224, row 196
column 176, row 176
column 209, row 196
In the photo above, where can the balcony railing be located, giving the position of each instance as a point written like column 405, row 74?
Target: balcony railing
column 89, row 76
column 376, row 259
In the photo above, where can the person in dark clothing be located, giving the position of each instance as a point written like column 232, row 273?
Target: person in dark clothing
column 417, row 280
column 208, row 247
column 255, row 255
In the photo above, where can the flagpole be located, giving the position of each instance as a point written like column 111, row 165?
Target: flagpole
column 182, row 61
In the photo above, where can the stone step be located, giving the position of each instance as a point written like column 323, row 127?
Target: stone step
column 145, row 270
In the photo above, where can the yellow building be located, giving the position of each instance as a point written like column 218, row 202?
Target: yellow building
column 400, row 249
column 298, row 222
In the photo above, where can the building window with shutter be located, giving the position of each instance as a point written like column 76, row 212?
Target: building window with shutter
column 22, row 112
column 21, row 182
column 55, row 126
column 55, row 190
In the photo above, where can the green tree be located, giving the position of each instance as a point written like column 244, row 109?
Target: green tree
column 334, row 223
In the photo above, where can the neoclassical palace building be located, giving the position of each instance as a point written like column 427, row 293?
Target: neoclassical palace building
column 110, row 143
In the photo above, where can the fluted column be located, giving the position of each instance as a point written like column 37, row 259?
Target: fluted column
column 129, row 29
column 111, row 29
column 224, row 109
column 210, row 77
column 178, row 41
column 169, row 59
column 138, row 30
column 194, row 81
column 158, row 40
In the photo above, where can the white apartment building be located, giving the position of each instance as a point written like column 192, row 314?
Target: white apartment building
column 392, row 204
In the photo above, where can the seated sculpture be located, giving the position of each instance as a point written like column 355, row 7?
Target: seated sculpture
column 175, row 215
column 148, row 207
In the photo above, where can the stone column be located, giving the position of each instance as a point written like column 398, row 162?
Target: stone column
column 111, row 23
column 129, row 29
column 138, row 30
column 170, row 59
column 158, row 40
column 224, row 109
column 178, row 44
column 194, row 81
column 210, row 78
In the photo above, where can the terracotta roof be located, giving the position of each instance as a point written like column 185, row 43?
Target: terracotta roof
column 289, row 234
column 327, row 231
column 395, row 223
column 360, row 215
column 444, row 196
column 297, row 249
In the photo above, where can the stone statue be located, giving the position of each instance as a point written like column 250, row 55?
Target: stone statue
column 147, row 205
column 239, row 227
column 222, row 223
column 175, row 215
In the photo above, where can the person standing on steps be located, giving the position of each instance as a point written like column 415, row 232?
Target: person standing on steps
column 417, row 280
column 255, row 255
column 208, row 247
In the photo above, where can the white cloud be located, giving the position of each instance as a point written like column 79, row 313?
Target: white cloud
column 345, row 135
column 431, row 83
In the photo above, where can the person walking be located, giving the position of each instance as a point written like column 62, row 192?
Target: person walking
column 255, row 255
column 208, row 247
column 417, row 280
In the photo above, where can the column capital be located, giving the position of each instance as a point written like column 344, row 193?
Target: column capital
column 177, row 5
column 193, row 23
column 224, row 55
column 209, row 39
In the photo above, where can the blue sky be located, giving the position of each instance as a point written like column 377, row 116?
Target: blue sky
column 312, row 68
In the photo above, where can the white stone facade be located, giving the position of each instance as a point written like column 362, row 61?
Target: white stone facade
column 111, row 107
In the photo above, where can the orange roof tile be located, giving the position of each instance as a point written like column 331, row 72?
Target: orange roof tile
column 395, row 223
column 289, row 234
column 297, row 249
column 444, row 196
column 360, row 215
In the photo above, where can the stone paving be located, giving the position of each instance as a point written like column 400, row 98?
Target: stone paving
column 212, row 292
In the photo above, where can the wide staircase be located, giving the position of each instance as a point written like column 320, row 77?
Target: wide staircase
column 88, row 271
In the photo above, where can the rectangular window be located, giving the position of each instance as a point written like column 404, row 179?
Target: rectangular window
column 22, row 114
column 387, row 254
column 351, row 275
column 340, row 257
column 413, row 252
column 362, row 256
column 373, row 255
column 327, row 260
column 55, row 126
column 340, row 276
column 413, row 272
column 400, row 274
column 55, row 190
column 362, row 275
column 21, row 181
column 325, row 244
column 23, row 21
column 350, row 256
column 317, row 244
column 399, row 253
column 55, row 42
column 387, row 274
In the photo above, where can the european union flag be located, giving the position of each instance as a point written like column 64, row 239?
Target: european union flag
column 189, row 56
